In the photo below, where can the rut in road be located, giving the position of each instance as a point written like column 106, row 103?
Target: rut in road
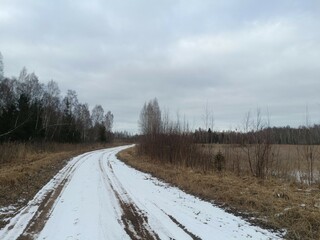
column 32, row 218
column 96, row 196
column 134, row 220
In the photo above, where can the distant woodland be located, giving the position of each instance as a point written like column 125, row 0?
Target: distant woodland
column 33, row 111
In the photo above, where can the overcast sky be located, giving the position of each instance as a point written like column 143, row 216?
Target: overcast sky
column 231, row 55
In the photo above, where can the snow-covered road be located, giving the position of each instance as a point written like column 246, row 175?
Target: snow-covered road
column 97, row 197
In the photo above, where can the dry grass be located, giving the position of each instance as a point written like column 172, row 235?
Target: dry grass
column 273, row 203
column 286, row 162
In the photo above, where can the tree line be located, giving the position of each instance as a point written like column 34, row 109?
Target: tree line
column 251, row 150
column 278, row 135
column 34, row 111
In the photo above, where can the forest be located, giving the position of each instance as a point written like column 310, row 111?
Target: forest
column 33, row 111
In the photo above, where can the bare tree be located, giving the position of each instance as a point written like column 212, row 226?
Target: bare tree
column 23, row 75
column 262, row 145
column 208, row 121
column 1, row 67
column 29, row 85
column 169, row 141
column 108, row 122
column 51, row 105
column 97, row 115
column 83, row 121
column 309, row 150
column 166, row 124
column 150, row 118
column 8, row 93
column 246, row 143
column 72, row 99
column 256, row 143
column 99, row 130
column 208, row 118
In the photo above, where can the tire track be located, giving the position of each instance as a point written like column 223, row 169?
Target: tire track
column 134, row 220
column 95, row 196
column 31, row 219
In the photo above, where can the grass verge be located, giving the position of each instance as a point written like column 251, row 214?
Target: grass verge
column 272, row 203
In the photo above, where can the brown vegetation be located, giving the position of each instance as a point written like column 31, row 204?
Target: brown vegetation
column 169, row 142
column 272, row 202
column 277, row 184
column 285, row 162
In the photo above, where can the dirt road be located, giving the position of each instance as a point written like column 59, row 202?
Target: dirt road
column 97, row 197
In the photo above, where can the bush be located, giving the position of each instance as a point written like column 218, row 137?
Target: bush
column 219, row 162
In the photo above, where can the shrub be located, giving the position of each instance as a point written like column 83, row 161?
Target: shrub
column 219, row 162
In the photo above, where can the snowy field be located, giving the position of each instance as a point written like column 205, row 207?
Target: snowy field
column 96, row 196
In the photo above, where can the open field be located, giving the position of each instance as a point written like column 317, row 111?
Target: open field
column 26, row 168
column 271, row 202
column 293, row 163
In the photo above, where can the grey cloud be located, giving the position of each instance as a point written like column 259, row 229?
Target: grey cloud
column 233, row 55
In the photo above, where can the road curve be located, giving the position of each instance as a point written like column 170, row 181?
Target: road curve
column 96, row 196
